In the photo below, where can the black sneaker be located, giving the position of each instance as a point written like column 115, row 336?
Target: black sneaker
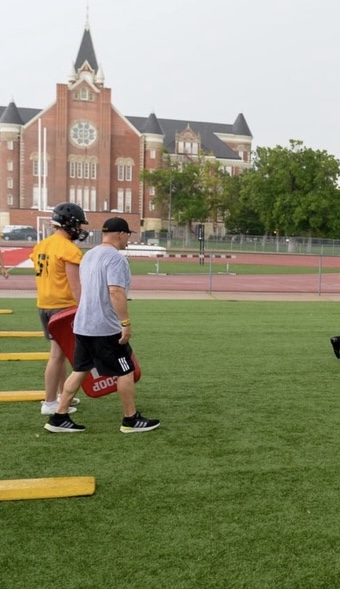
column 138, row 423
column 62, row 423
column 335, row 341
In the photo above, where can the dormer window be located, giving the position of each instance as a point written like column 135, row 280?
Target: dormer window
column 188, row 142
column 190, row 147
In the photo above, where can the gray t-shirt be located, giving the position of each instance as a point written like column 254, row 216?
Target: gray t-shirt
column 101, row 267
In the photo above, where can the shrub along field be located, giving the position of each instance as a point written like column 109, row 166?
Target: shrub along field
column 238, row 488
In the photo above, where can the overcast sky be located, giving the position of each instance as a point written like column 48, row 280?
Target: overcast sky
column 276, row 61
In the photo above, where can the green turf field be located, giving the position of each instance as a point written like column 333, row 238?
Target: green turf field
column 151, row 266
column 238, row 488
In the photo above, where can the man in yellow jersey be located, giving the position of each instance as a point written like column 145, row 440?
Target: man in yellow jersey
column 56, row 262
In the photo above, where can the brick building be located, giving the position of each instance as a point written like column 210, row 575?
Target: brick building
column 81, row 149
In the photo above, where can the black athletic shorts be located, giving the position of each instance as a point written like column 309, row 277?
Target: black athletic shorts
column 103, row 353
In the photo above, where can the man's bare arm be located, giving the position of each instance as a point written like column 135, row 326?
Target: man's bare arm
column 72, row 273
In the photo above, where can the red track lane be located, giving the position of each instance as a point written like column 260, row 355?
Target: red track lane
column 297, row 283
column 330, row 283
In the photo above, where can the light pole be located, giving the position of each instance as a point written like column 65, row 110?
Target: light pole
column 169, row 211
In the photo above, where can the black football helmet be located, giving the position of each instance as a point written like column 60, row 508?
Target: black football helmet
column 70, row 217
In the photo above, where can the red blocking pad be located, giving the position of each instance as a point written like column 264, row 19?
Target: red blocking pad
column 61, row 328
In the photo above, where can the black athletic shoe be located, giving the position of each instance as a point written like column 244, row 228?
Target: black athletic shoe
column 335, row 341
column 62, row 423
column 137, row 424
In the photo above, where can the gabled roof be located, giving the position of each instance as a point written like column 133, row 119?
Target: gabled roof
column 210, row 143
column 11, row 115
column 86, row 52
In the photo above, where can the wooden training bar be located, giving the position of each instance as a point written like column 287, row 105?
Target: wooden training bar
column 13, row 396
column 21, row 334
column 5, row 311
column 48, row 488
column 24, row 356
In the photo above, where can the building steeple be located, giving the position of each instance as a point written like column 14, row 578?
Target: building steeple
column 87, row 22
column 86, row 65
column 86, row 53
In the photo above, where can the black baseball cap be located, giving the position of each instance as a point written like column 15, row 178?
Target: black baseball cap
column 116, row 224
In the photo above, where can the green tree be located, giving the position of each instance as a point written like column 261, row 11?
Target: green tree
column 193, row 190
column 294, row 190
column 239, row 213
column 160, row 180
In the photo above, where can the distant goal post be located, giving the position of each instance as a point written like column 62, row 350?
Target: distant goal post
column 44, row 227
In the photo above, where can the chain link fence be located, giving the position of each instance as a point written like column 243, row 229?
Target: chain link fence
column 180, row 240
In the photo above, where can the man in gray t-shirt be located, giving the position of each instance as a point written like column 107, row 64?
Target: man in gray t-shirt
column 101, row 268
column 102, row 330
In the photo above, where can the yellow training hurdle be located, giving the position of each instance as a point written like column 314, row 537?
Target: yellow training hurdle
column 21, row 333
column 47, row 488
column 13, row 396
column 24, row 356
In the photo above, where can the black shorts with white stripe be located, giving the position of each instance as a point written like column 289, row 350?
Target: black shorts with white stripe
column 104, row 353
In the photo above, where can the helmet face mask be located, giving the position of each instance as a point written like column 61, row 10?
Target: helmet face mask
column 70, row 217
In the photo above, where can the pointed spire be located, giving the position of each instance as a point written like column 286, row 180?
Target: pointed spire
column 11, row 115
column 240, row 126
column 73, row 75
column 152, row 126
column 87, row 22
column 100, row 78
column 86, row 51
